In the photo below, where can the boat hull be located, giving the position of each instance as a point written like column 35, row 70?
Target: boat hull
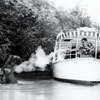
column 82, row 71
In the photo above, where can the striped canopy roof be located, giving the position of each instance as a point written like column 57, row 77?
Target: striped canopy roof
column 79, row 32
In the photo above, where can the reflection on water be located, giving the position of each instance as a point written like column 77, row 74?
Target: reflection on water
column 48, row 90
column 65, row 91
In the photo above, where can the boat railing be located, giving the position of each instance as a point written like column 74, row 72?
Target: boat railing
column 73, row 47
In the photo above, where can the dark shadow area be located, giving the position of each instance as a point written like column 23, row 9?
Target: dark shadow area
column 33, row 75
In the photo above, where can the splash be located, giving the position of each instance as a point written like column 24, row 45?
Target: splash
column 40, row 59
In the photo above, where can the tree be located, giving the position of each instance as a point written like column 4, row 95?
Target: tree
column 15, row 20
column 74, row 19
column 26, row 27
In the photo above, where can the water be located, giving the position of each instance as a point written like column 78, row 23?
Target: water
column 48, row 90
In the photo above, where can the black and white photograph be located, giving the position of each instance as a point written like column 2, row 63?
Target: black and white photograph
column 49, row 50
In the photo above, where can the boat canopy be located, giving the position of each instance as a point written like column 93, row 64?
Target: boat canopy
column 79, row 43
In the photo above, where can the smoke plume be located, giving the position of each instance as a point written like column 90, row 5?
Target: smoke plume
column 40, row 59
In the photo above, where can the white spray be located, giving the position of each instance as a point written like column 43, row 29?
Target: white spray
column 40, row 59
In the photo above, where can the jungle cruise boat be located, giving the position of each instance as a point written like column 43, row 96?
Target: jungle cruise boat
column 77, row 56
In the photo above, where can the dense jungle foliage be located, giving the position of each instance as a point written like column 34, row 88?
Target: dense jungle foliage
column 23, row 27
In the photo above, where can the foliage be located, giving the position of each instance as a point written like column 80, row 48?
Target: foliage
column 23, row 28
column 14, row 20
column 74, row 19
column 46, row 26
column 27, row 28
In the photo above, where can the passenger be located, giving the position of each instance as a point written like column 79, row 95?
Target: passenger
column 98, row 54
column 86, row 48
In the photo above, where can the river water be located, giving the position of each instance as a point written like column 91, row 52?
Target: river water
column 48, row 90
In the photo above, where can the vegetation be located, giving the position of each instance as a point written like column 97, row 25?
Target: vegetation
column 24, row 28
column 74, row 19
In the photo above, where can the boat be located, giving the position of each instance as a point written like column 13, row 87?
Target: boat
column 77, row 56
